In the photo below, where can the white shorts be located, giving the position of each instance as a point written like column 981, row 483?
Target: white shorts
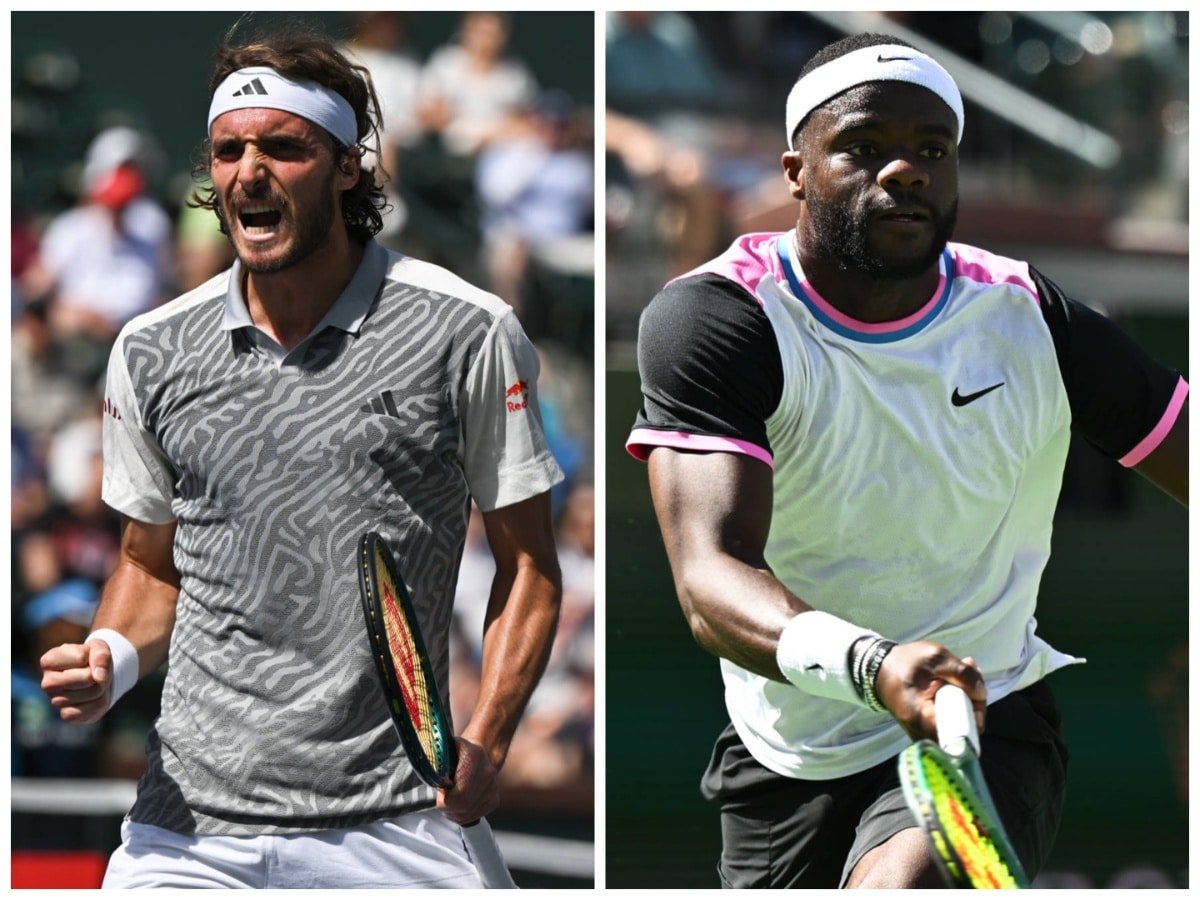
column 418, row 850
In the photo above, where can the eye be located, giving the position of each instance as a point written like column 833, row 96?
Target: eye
column 935, row 151
column 283, row 148
column 227, row 151
column 861, row 149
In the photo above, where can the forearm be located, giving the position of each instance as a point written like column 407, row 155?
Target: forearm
column 518, row 635
column 142, row 608
column 736, row 610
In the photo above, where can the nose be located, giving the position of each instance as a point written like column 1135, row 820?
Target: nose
column 904, row 171
column 250, row 170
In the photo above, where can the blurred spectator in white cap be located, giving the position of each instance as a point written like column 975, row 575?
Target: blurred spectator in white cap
column 109, row 258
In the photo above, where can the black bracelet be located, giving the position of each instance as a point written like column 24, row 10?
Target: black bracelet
column 879, row 650
column 856, row 658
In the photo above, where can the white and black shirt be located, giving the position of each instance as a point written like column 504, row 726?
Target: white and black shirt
column 916, row 463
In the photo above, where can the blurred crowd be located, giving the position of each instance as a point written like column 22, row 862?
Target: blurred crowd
column 491, row 176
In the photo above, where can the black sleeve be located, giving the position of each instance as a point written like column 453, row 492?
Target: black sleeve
column 1117, row 393
column 709, row 362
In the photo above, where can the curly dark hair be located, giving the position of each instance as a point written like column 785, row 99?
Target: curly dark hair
column 306, row 56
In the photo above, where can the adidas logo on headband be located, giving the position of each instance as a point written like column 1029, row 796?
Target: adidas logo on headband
column 253, row 87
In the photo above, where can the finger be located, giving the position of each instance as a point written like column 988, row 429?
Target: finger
column 978, row 701
column 56, row 682
column 83, row 713
column 100, row 659
column 78, row 696
column 65, row 656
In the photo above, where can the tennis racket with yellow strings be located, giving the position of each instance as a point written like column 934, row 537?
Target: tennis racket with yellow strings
column 945, row 789
column 406, row 678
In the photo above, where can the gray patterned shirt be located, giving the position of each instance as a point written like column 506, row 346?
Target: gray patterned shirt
column 415, row 394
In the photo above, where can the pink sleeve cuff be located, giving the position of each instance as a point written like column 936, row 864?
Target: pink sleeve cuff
column 1150, row 442
column 643, row 440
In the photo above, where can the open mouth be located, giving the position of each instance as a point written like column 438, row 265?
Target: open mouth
column 259, row 218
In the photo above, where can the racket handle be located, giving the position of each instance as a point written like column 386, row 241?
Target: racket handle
column 955, row 720
column 481, row 844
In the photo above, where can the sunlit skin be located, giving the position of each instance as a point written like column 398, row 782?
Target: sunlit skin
column 279, row 188
column 876, row 174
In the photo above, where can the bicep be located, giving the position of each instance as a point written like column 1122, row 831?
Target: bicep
column 1122, row 400
column 711, row 503
column 521, row 535
column 150, row 548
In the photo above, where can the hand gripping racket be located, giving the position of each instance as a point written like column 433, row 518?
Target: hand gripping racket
column 946, row 791
column 406, row 677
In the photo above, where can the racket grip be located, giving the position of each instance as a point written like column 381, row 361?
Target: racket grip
column 955, row 720
column 481, row 844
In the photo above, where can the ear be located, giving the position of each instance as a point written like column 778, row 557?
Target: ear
column 349, row 167
column 793, row 173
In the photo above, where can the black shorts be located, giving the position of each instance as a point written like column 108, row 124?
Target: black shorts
column 782, row 832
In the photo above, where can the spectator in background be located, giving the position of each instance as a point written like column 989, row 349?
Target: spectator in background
column 42, row 744
column 380, row 44
column 536, row 186
column 656, row 61
column 48, row 389
column 468, row 93
column 109, row 258
column 656, row 65
column 470, row 90
column 76, row 535
column 202, row 251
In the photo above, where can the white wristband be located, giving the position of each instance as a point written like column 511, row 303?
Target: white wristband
column 124, row 661
column 812, row 654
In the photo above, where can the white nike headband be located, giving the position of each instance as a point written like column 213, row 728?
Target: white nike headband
column 883, row 62
column 262, row 87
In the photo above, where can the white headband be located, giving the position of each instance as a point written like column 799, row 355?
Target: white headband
column 263, row 87
column 883, row 62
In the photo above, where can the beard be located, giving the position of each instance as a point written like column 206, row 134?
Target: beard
column 841, row 234
column 309, row 233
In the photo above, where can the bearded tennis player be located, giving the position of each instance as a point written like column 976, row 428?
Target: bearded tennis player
column 855, row 434
column 254, row 428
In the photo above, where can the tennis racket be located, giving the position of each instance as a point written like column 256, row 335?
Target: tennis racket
column 406, row 677
column 945, row 789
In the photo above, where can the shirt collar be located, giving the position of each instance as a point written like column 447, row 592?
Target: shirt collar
column 348, row 312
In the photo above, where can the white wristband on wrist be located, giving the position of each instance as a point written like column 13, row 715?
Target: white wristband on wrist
column 812, row 654
column 124, row 661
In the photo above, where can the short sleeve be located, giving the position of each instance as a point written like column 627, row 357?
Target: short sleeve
column 1122, row 401
column 138, row 480
column 505, row 453
column 710, row 371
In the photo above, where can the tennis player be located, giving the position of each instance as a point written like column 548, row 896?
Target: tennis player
column 855, row 434
column 255, row 427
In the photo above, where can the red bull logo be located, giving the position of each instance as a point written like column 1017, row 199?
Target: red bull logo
column 516, row 395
